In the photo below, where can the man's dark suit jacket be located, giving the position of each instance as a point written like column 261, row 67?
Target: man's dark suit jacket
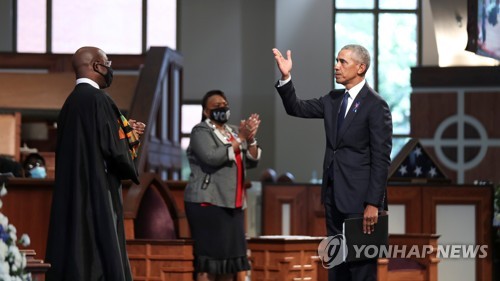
column 358, row 156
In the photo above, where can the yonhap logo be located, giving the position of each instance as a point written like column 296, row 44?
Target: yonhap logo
column 332, row 250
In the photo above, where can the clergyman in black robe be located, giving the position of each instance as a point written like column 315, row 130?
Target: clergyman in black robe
column 95, row 151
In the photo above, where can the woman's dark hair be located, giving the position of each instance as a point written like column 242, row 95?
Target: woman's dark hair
column 205, row 100
column 33, row 158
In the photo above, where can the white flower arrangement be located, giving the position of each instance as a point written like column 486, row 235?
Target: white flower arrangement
column 12, row 261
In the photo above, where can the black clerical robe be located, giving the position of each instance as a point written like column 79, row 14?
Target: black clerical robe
column 86, row 239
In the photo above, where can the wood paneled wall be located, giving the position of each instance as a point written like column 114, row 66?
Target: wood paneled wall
column 454, row 115
column 48, row 91
column 62, row 62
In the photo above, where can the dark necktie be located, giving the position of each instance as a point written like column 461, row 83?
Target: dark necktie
column 343, row 108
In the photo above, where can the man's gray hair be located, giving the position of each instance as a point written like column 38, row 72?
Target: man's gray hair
column 360, row 54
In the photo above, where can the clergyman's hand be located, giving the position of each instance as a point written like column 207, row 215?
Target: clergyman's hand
column 138, row 127
column 284, row 64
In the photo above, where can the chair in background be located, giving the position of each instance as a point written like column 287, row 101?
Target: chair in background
column 286, row 177
column 268, row 175
column 413, row 268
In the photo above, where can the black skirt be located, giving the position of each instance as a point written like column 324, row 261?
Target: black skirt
column 220, row 246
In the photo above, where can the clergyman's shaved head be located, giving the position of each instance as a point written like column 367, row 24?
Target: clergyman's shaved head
column 89, row 62
column 83, row 62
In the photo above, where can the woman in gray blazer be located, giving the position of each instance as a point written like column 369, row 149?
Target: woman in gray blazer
column 214, row 198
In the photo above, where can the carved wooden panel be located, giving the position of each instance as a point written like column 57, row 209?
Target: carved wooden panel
column 284, row 258
column 161, row 260
column 481, row 198
column 315, row 212
column 273, row 198
column 411, row 198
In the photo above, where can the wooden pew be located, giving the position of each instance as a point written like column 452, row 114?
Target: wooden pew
column 35, row 266
column 27, row 205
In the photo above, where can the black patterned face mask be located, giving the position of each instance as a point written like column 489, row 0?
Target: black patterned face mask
column 220, row 114
column 108, row 77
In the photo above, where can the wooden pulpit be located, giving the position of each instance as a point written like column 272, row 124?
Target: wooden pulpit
column 284, row 258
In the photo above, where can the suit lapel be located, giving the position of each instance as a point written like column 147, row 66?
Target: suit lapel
column 352, row 111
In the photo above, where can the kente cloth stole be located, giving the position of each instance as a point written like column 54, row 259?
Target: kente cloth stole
column 126, row 131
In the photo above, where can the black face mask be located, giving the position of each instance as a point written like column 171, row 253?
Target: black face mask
column 108, row 77
column 220, row 114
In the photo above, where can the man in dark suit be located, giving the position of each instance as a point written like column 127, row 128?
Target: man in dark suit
column 358, row 128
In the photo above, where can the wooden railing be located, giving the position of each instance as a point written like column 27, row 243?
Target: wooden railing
column 157, row 102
